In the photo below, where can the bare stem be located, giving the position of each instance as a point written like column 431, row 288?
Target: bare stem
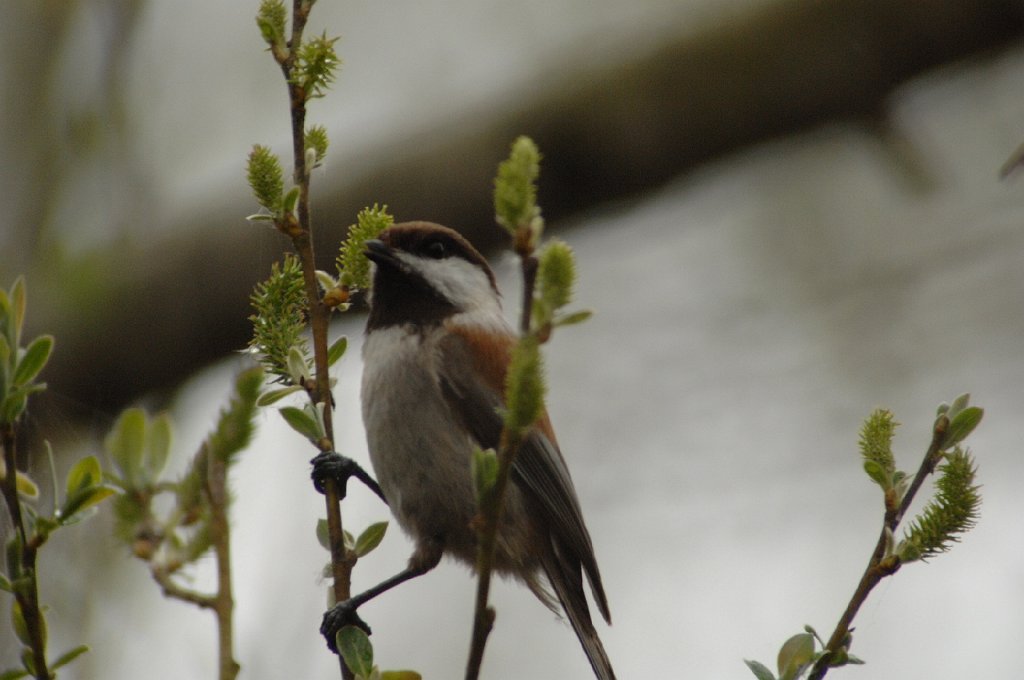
column 220, row 536
column 175, row 591
column 880, row 566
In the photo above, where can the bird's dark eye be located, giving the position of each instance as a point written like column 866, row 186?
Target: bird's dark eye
column 436, row 249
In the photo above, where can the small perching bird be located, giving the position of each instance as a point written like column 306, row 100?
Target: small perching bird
column 435, row 356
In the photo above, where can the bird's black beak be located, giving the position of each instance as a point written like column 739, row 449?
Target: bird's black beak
column 379, row 252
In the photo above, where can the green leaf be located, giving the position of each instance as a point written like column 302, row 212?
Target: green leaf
column 5, row 584
column 75, row 507
column 158, row 446
column 355, row 648
column 13, row 406
column 573, row 318
column 962, row 424
column 958, row 405
column 18, row 302
column 796, row 654
column 273, row 396
column 400, row 675
column 84, row 474
column 337, row 350
column 14, row 674
column 126, row 443
column 302, row 422
column 290, row 201
column 35, row 357
column 69, row 656
column 370, row 538
column 323, row 535
column 26, row 487
column 21, row 626
column 348, row 540
column 759, row 670
column 877, row 473
column 298, row 368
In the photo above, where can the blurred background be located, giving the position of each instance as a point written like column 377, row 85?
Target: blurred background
column 785, row 212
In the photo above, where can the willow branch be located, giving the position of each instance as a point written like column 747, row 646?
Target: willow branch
column 880, row 565
column 493, row 502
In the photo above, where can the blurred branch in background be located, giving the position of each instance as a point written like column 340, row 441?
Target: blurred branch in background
column 610, row 132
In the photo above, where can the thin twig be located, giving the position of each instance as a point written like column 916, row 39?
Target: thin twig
column 220, row 537
column 28, row 598
column 302, row 241
column 171, row 589
column 493, row 502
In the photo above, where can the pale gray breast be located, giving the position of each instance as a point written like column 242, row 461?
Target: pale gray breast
column 419, row 454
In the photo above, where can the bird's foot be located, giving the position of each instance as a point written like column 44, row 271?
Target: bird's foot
column 333, row 465
column 337, row 617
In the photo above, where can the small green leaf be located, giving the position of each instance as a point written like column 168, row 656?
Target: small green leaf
column 18, row 302
column 290, row 201
column 795, row 655
column 349, row 540
column 323, row 535
column 354, row 646
column 370, row 538
column 302, row 422
column 26, row 487
column 83, row 474
column 877, row 473
column 69, row 656
column 5, row 584
column 13, row 406
column 75, row 507
column 273, row 396
column 959, row 404
column 19, row 623
column 35, row 357
column 759, row 670
column 298, row 368
column 400, row 675
column 337, row 350
column 158, row 446
column 573, row 318
column 126, row 443
column 14, row 674
column 962, row 424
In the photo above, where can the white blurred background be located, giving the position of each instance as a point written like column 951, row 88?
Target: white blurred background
column 754, row 301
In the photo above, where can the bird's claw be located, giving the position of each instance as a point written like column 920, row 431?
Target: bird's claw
column 337, row 617
column 333, row 465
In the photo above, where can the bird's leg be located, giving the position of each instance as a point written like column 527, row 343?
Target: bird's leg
column 333, row 465
column 426, row 557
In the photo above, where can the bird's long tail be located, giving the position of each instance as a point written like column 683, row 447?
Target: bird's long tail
column 566, row 579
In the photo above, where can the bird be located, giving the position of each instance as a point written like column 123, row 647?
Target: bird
column 436, row 351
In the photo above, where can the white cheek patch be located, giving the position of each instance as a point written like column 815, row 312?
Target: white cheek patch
column 464, row 284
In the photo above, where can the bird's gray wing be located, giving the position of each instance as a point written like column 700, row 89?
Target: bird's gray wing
column 475, row 395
